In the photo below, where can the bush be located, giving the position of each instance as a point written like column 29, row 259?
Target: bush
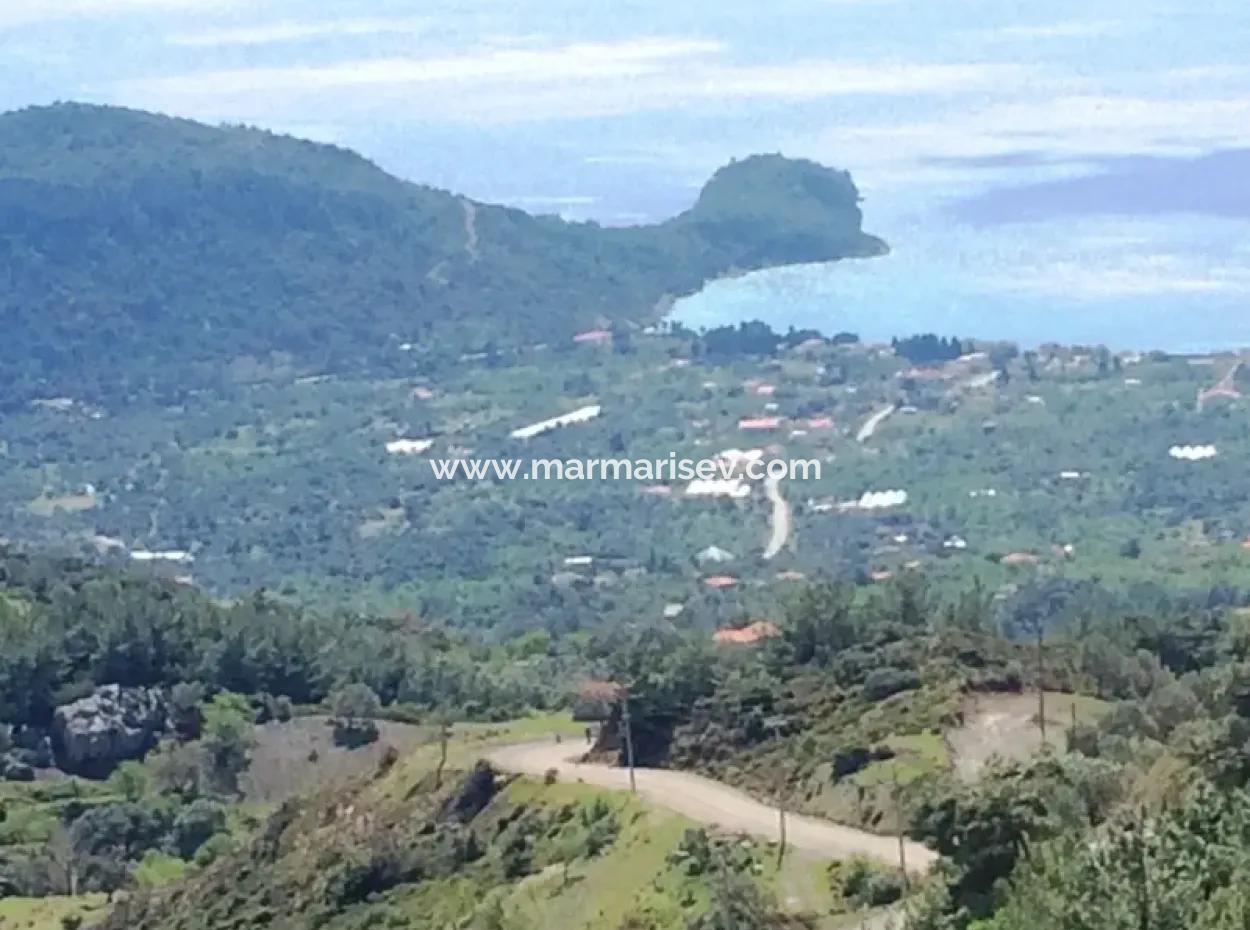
column 863, row 884
column 217, row 846
column 195, row 825
column 353, row 709
column 885, row 682
column 186, row 716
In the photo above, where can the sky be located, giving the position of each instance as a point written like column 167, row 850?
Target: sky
column 1085, row 159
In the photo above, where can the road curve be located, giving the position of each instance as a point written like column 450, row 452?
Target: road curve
column 714, row 804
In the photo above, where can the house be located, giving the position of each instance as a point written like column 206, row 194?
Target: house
column 820, row 423
column 759, row 423
column 753, row 632
column 766, row 390
column 720, row 582
column 715, row 554
column 580, row 415
column 672, row 611
column 813, row 344
column 734, row 488
column 593, row 337
column 408, row 446
column 1193, row 453
column 879, row 500
column 1019, row 558
column 983, row 381
column 657, row 490
column 169, row 555
column 790, row 576
column 923, row 374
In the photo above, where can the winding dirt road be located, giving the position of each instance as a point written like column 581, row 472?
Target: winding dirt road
column 782, row 523
column 869, row 429
column 712, row 803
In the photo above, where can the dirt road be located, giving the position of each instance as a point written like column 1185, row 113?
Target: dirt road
column 712, row 803
column 869, row 429
column 782, row 522
column 1005, row 726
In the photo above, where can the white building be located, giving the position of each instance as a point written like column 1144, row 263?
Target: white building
column 580, row 415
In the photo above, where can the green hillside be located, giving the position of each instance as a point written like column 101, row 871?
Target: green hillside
column 145, row 252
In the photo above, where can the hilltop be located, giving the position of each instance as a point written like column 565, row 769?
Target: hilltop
column 144, row 252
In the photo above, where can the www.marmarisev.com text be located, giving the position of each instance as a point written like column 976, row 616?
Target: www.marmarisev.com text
column 670, row 469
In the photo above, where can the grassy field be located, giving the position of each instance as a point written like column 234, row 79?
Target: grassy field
column 49, row 913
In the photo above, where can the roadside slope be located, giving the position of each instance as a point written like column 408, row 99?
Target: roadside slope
column 712, row 803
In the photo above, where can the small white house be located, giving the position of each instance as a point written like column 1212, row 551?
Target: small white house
column 580, row 415
column 1193, row 453
column 408, row 446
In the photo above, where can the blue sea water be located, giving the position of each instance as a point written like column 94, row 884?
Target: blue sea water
column 1176, row 284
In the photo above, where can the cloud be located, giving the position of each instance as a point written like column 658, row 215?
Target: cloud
column 1061, row 30
column 1061, row 134
column 821, row 78
column 29, row 12
column 626, row 158
column 1217, row 184
column 556, row 81
column 576, row 61
column 294, row 31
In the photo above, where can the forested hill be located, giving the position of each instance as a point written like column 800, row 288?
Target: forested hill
column 140, row 252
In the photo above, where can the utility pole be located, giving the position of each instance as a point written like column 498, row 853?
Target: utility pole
column 781, row 818
column 444, row 735
column 781, row 792
column 898, row 826
column 629, row 741
column 1041, row 693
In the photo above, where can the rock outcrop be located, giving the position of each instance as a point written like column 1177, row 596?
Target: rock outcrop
column 93, row 735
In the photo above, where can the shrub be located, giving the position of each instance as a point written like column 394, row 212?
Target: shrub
column 353, row 708
column 885, row 682
column 862, row 884
column 195, row 825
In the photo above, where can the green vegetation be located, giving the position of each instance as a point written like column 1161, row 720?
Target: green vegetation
column 217, row 332
column 287, row 485
column 391, row 850
column 79, row 626
column 148, row 254
column 848, row 713
column 50, row 913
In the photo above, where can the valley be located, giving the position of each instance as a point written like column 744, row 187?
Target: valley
column 262, row 666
